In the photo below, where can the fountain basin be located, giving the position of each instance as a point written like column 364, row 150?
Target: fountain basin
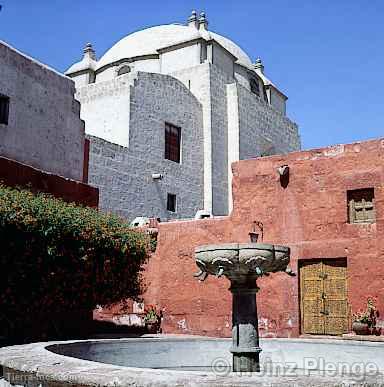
column 190, row 361
column 242, row 258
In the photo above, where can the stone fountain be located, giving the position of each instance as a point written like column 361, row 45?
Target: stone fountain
column 202, row 361
column 243, row 264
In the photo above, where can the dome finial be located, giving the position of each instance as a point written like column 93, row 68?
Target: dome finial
column 203, row 22
column 258, row 65
column 89, row 51
column 192, row 20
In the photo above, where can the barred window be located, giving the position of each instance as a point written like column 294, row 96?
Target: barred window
column 171, row 202
column 4, row 109
column 172, row 142
column 361, row 206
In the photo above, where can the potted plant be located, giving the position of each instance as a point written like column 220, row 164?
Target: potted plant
column 152, row 319
column 364, row 321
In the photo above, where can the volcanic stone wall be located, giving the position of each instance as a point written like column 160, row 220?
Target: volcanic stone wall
column 44, row 129
column 263, row 129
column 123, row 174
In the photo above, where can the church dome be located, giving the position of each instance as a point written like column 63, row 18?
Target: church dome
column 148, row 41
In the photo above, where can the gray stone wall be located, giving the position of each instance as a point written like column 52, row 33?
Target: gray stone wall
column 44, row 128
column 223, row 59
column 256, row 128
column 242, row 76
column 278, row 101
column 263, row 129
column 219, row 80
column 123, row 174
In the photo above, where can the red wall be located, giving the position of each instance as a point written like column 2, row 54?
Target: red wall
column 13, row 173
column 309, row 215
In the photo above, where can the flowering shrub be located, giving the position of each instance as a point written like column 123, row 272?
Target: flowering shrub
column 57, row 257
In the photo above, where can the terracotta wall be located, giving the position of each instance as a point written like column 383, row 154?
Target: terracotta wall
column 13, row 173
column 309, row 215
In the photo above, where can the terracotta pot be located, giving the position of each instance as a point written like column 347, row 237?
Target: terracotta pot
column 152, row 326
column 360, row 328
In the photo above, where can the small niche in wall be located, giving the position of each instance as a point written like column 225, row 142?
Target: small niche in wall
column 361, row 205
column 4, row 109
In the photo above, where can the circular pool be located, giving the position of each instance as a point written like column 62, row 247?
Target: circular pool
column 191, row 361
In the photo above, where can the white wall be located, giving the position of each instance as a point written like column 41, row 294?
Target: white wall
column 105, row 108
column 145, row 65
column 106, row 75
column 171, row 61
column 81, row 79
column 44, row 128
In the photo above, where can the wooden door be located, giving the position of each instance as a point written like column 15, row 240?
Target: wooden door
column 323, row 296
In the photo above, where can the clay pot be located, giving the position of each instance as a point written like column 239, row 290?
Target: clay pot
column 152, row 326
column 360, row 328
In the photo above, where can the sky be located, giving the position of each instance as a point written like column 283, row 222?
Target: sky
column 327, row 56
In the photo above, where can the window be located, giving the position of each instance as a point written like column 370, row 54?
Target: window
column 172, row 142
column 255, row 87
column 361, row 206
column 123, row 70
column 171, row 202
column 4, row 109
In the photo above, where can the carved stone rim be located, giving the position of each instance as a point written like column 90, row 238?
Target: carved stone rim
column 241, row 246
column 39, row 364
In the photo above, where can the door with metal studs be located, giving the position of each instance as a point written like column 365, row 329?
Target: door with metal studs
column 323, row 296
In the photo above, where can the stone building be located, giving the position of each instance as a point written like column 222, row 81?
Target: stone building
column 167, row 110
column 329, row 210
column 42, row 138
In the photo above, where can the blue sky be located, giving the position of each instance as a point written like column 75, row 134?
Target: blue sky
column 326, row 55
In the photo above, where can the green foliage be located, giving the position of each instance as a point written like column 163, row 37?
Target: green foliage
column 59, row 257
column 152, row 314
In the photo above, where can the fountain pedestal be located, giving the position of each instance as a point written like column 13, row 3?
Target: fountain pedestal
column 245, row 334
column 242, row 264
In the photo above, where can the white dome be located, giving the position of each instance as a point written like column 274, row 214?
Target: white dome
column 148, row 41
